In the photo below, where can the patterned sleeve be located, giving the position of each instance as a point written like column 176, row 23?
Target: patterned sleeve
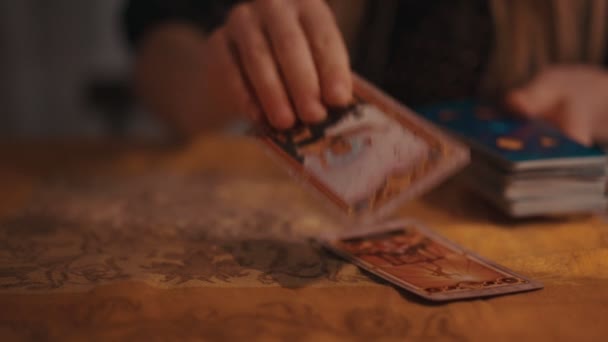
column 142, row 15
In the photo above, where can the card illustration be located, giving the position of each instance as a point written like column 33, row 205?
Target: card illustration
column 429, row 266
column 365, row 155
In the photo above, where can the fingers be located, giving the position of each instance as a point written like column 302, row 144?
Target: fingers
column 225, row 64
column 549, row 97
column 294, row 58
column 329, row 52
column 541, row 96
column 574, row 124
column 558, row 113
column 258, row 62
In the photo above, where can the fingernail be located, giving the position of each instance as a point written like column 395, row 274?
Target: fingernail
column 339, row 92
column 518, row 100
column 516, row 96
column 283, row 121
column 315, row 112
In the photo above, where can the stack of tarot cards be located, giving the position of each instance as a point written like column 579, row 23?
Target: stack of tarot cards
column 365, row 161
column 525, row 168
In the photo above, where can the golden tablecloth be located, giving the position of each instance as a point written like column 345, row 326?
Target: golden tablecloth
column 211, row 242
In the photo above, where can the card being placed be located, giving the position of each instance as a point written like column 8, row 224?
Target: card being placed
column 370, row 157
column 511, row 142
column 420, row 261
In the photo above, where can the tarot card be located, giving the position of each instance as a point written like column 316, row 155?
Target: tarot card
column 369, row 158
column 511, row 142
column 420, row 261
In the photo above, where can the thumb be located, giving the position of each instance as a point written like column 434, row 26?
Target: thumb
column 574, row 124
column 539, row 98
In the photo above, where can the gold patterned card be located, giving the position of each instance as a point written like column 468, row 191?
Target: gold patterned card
column 414, row 258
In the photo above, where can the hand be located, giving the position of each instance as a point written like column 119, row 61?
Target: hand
column 278, row 60
column 574, row 98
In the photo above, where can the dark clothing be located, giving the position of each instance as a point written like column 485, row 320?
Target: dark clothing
column 418, row 51
column 143, row 15
column 439, row 50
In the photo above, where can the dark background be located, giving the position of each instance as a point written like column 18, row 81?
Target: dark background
column 53, row 55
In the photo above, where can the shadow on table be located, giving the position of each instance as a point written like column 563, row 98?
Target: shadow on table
column 290, row 264
column 297, row 265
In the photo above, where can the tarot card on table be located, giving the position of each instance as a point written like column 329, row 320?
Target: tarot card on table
column 412, row 257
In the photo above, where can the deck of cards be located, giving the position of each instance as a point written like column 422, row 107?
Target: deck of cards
column 365, row 161
column 525, row 168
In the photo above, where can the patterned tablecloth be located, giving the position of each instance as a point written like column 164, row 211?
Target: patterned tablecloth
column 212, row 241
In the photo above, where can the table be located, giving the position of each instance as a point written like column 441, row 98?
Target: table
column 211, row 241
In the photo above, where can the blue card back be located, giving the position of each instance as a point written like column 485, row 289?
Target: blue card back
column 510, row 140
